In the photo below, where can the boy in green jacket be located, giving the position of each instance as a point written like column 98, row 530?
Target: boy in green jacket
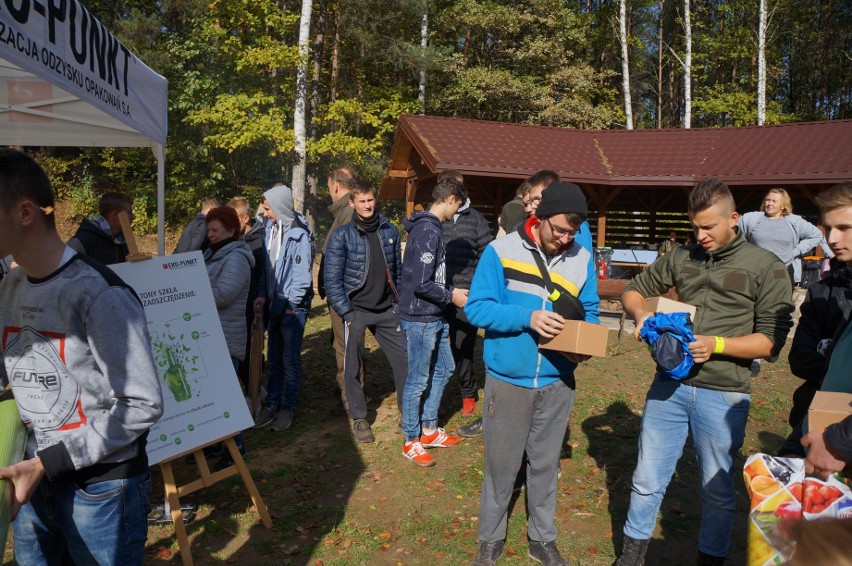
column 742, row 296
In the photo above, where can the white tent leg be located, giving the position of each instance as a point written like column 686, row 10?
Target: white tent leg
column 160, row 154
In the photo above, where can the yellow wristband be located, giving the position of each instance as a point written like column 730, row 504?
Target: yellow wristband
column 720, row 345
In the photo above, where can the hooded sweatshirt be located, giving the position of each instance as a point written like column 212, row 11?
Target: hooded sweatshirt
column 424, row 291
column 289, row 244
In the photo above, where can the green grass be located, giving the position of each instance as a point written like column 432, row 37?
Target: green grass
column 334, row 501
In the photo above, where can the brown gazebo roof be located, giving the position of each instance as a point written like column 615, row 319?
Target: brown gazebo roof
column 634, row 180
column 789, row 153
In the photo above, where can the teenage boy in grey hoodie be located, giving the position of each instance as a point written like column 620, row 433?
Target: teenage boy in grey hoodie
column 289, row 244
column 77, row 355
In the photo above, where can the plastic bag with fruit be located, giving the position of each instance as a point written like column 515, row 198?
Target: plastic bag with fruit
column 781, row 494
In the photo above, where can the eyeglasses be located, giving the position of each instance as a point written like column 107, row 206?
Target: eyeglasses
column 558, row 231
column 532, row 201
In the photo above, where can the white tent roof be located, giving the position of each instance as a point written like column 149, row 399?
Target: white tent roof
column 65, row 80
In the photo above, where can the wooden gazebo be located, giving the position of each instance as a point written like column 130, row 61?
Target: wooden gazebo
column 636, row 181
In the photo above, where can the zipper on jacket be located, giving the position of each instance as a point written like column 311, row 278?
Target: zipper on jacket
column 387, row 271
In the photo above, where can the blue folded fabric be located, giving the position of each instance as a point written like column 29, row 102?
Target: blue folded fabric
column 669, row 336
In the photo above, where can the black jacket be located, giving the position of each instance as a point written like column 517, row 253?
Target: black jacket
column 825, row 312
column 100, row 246
column 255, row 240
column 465, row 238
column 839, row 438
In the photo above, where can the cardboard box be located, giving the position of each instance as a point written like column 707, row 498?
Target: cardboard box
column 664, row 305
column 827, row 408
column 579, row 338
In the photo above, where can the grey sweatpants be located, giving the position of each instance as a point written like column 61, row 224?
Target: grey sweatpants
column 517, row 419
column 385, row 328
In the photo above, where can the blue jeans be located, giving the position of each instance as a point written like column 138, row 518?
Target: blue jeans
column 428, row 345
column 285, row 360
column 102, row 523
column 716, row 420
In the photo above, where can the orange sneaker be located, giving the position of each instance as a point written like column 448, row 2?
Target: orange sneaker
column 468, row 406
column 438, row 439
column 414, row 451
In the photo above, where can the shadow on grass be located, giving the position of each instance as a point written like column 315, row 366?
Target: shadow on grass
column 613, row 438
column 613, row 443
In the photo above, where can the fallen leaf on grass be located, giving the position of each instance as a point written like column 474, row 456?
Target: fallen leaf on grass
column 384, row 547
column 164, row 554
column 383, row 499
column 385, row 536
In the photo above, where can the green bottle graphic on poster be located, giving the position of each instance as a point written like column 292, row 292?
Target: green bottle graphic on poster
column 173, row 356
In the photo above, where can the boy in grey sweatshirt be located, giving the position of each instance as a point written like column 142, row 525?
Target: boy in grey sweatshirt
column 77, row 355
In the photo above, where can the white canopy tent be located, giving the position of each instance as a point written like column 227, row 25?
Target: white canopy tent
column 65, row 80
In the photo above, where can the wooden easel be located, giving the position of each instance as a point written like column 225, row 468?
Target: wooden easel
column 208, row 478
column 134, row 253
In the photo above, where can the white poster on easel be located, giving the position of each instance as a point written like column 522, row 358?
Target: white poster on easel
column 202, row 397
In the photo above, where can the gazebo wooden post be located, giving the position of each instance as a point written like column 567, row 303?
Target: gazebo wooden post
column 410, row 194
column 602, row 204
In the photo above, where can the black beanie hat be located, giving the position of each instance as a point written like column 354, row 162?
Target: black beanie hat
column 562, row 198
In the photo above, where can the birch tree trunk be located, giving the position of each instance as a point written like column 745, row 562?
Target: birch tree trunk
column 687, row 68
column 660, row 69
column 335, row 57
column 424, row 39
column 311, row 179
column 625, row 63
column 299, row 165
column 761, row 65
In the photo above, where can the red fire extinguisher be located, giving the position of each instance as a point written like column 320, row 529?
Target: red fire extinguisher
column 601, row 269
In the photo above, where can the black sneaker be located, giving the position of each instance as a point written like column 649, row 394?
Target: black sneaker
column 472, row 430
column 489, row 553
column 212, row 451
column 226, row 460
column 362, row 432
column 157, row 515
column 546, row 553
